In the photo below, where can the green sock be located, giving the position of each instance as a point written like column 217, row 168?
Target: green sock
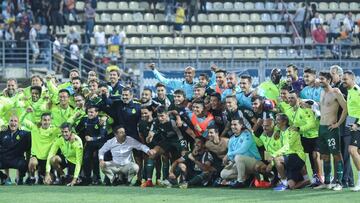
column 327, row 171
column 149, row 168
column 339, row 170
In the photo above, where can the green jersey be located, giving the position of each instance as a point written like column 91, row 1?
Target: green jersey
column 291, row 144
column 39, row 107
column 61, row 115
column 41, row 139
column 305, row 120
column 353, row 104
column 77, row 115
column 72, row 151
column 283, row 106
column 271, row 144
column 270, row 90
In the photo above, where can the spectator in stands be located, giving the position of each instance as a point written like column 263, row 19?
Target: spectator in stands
column 89, row 15
column 319, row 39
column 334, row 28
column 169, row 8
column 348, row 23
column 116, row 43
column 203, row 6
column 193, row 10
column 315, row 21
column 100, row 41
column 56, row 13
column 179, row 19
column 299, row 18
column 20, row 37
column 152, row 3
column 74, row 54
column 72, row 35
column 33, row 41
column 58, row 57
column 70, row 10
column 345, row 41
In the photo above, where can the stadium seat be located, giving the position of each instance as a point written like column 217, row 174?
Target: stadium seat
column 108, row 29
column 357, row 52
column 133, row 5
column 259, row 29
column 150, row 54
column 340, row 16
column 275, row 17
column 162, row 53
column 249, row 29
column 244, row 17
column 195, row 29
column 200, row 41
column 259, row 6
column 79, row 5
column 163, row 29
column 233, row 41
column 101, row 6
column 270, row 29
column 172, row 54
column 255, row 17
column 275, row 40
column 217, row 29
column 249, row 6
column 160, row 6
column 211, row 41
column 149, row 17
column 291, row 6
column 105, row 17
column 292, row 53
column 281, row 53
column 281, row 6
column 131, row 29
column 218, row 6
column 186, row 29
column 183, row 54
column 112, row 5
column 96, row 28
column 209, row 6
column 205, row 53
column 308, row 40
column 260, row 53
column 129, row 53
column 223, row 17
column 333, row 6
column 206, row 29
column 228, row 6
column 159, row 17
column 265, row 17
column 286, row 40
column 254, row 41
column 153, row 29
column 141, row 29
column 123, row 5
column 298, row 40
column 193, row 53
column 156, row 41
column 92, row 41
column 328, row 16
column 280, row 29
column 120, row 28
column 202, row 17
column 216, row 53
column 179, row 41
column 243, row 40
column 323, row 6
column 238, row 53
column 238, row 6
column 189, row 41
column 222, row 41
column 264, row 40
column 213, row 17
column 139, row 54
column 227, row 29
column 238, row 29
column 145, row 41
column 97, row 17
column 116, row 17
column 234, row 17
column 249, row 53
column 269, row 5
column 227, row 53
column 138, row 17
column 134, row 41
column 127, row 17
column 271, row 53
column 168, row 41
column 354, row 6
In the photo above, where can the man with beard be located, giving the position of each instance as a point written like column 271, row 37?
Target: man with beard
column 146, row 100
column 270, row 89
column 199, row 91
column 218, row 111
column 220, row 86
column 161, row 95
column 8, row 98
column 115, row 84
column 232, row 87
column 297, row 83
column 187, row 84
column 310, row 91
column 216, row 144
column 205, row 81
column 244, row 97
column 329, row 138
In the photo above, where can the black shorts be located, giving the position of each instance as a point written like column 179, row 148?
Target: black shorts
column 293, row 167
column 172, row 146
column 15, row 163
column 355, row 138
column 67, row 164
column 309, row 144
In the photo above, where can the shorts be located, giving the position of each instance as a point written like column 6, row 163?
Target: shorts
column 178, row 27
column 293, row 167
column 67, row 164
column 309, row 144
column 41, row 165
column 172, row 146
column 328, row 140
column 355, row 138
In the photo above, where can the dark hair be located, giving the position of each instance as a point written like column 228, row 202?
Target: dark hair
column 179, row 91
column 94, row 80
column 198, row 85
column 127, row 89
column 248, row 77
column 349, row 72
column 161, row 109
column 159, row 84
column 198, row 101
column 221, row 71
column 283, row 117
column 213, row 127
column 310, row 71
column 76, row 78
column 45, row 114
column 66, row 125
column 148, row 89
column 38, row 88
column 206, row 76
column 217, row 95
column 75, row 70
column 293, row 66
column 103, row 85
column 117, row 127
column 92, row 107
column 148, row 107
column 257, row 97
column 238, row 118
column 326, row 74
column 294, row 92
column 230, row 97
column 286, row 87
column 64, row 90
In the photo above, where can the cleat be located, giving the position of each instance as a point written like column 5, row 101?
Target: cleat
column 147, row 183
column 280, row 187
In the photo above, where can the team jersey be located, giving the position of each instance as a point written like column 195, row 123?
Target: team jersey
column 41, row 139
column 353, row 103
column 72, row 151
column 291, row 144
column 39, row 107
column 243, row 144
column 305, row 120
column 312, row 93
column 60, row 115
column 270, row 90
column 269, row 142
column 78, row 114
column 283, row 106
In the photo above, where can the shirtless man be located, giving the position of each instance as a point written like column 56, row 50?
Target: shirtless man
column 329, row 135
column 215, row 143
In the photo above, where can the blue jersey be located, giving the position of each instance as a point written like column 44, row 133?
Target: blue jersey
column 243, row 144
column 312, row 93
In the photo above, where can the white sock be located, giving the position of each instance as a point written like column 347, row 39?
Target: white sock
column 284, row 182
column 358, row 182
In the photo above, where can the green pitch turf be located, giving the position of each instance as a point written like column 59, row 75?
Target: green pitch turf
column 63, row 194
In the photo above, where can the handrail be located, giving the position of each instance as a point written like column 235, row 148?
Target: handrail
column 291, row 20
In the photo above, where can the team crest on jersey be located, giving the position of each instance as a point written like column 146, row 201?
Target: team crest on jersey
column 96, row 127
column 133, row 111
column 17, row 137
